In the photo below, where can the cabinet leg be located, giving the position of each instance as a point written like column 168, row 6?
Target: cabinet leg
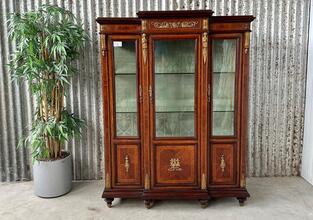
column 241, row 201
column 149, row 203
column 109, row 202
column 204, row 203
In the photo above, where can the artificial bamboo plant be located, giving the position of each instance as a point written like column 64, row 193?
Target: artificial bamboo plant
column 47, row 42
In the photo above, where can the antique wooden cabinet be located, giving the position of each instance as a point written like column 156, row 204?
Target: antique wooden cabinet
column 175, row 90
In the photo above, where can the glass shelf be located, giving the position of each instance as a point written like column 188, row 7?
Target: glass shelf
column 126, row 112
column 125, row 74
column 174, row 112
column 178, row 74
column 224, row 72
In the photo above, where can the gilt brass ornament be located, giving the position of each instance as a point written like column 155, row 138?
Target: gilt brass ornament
column 174, row 165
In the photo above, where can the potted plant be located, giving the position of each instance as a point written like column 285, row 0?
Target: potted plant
column 47, row 41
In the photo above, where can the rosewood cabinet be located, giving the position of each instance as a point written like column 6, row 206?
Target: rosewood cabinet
column 175, row 90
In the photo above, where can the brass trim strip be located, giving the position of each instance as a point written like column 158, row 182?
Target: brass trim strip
column 147, row 181
column 242, row 180
column 107, row 181
column 205, row 24
column 103, row 44
column 144, row 25
column 247, row 42
column 203, row 181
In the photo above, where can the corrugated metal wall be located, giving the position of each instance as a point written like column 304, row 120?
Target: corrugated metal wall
column 307, row 155
column 277, row 84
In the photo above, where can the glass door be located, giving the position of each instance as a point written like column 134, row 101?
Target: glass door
column 174, row 82
column 126, row 106
column 224, row 80
column 125, row 84
column 224, row 58
column 174, row 111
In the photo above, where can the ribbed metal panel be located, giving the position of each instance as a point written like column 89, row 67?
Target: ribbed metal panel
column 277, row 84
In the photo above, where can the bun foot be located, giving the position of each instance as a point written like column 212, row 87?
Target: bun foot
column 109, row 202
column 242, row 201
column 204, row 203
column 149, row 204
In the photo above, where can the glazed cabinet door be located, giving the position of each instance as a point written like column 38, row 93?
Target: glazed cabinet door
column 125, row 111
column 174, row 110
column 224, row 117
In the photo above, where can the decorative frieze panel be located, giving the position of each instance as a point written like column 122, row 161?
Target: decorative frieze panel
column 177, row 24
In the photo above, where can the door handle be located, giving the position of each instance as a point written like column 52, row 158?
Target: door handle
column 140, row 94
column 150, row 93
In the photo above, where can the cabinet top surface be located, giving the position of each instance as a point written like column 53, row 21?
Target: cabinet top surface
column 174, row 14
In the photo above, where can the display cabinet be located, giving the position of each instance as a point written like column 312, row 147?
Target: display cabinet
column 175, row 90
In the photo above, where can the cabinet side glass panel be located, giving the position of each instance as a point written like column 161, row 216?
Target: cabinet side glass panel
column 125, row 81
column 174, row 72
column 223, row 91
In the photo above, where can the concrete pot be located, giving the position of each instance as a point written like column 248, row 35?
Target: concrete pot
column 53, row 178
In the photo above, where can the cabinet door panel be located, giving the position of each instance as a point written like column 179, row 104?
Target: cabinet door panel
column 174, row 111
column 175, row 165
column 127, row 165
column 223, row 163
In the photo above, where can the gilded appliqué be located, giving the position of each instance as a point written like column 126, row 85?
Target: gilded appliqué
column 174, row 165
column 177, row 24
column 144, row 47
column 205, row 47
column 126, row 163
column 222, row 163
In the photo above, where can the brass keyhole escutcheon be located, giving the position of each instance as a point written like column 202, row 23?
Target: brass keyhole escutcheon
column 223, row 163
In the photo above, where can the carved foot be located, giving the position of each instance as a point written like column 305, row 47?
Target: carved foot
column 109, row 202
column 242, row 201
column 149, row 203
column 204, row 203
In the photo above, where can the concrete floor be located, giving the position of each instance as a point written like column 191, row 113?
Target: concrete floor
column 271, row 198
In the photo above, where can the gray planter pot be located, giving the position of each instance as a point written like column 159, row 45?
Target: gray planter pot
column 53, row 178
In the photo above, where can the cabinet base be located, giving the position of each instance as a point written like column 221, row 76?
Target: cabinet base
column 228, row 192
column 150, row 196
